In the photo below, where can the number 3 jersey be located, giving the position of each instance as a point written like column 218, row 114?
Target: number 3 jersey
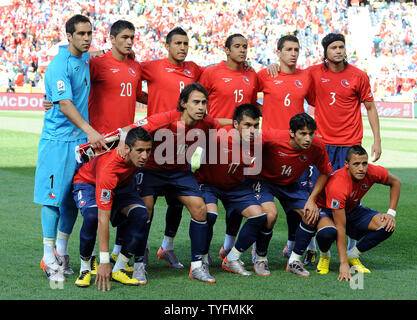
column 115, row 85
column 282, row 164
column 338, row 103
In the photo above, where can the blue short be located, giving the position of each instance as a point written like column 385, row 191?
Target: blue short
column 55, row 170
column 337, row 157
column 291, row 196
column 169, row 183
column 236, row 199
column 357, row 221
column 85, row 197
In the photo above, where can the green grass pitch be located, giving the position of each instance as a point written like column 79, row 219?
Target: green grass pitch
column 393, row 263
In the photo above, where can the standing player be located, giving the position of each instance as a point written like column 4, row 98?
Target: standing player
column 286, row 155
column 340, row 89
column 105, row 190
column 284, row 97
column 343, row 213
column 116, row 85
column 166, row 78
column 229, row 85
column 67, row 84
column 225, row 180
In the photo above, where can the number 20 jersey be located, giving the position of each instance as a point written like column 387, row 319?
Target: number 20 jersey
column 115, row 85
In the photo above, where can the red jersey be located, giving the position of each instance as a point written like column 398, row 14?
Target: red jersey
column 165, row 82
column 284, row 97
column 106, row 173
column 115, row 85
column 338, row 103
column 226, row 171
column 282, row 164
column 341, row 192
column 172, row 138
column 228, row 89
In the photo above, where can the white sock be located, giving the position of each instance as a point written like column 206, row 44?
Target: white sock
column 48, row 250
column 196, row 264
column 116, row 249
column 167, row 243
column 312, row 244
column 325, row 254
column 62, row 243
column 205, row 258
column 121, row 262
column 351, row 243
column 234, row 254
column 353, row 253
column 138, row 265
column 229, row 242
column 85, row 265
column 259, row 258
column 294, row 257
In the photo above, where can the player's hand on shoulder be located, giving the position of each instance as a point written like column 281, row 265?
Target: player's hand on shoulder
column 273, row 70
column 103, row 277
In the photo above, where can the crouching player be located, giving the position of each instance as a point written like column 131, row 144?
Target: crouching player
column 224, row 179
column 341, row 212
column 105, row 190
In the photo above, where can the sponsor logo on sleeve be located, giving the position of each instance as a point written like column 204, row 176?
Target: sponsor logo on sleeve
column 335, row 204
column 105, row 196
column 60, row 85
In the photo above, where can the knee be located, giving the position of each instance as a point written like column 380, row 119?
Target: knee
column 199, row 211
column 328, row 233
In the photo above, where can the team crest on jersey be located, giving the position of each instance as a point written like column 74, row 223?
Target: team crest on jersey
column 345, row 83
column 142, row 122
column 303, row 158
column 188, row 73
column 132, row 72
column 298, row 83
column 227, row 79
column 246, row 80
column 335, row 204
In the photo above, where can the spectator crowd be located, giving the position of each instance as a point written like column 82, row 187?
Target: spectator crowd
column 32, row 30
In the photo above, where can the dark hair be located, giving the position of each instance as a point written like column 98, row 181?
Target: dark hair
column 358, row 150
column 70, row 25
column 136, row 134
column 119, row 26
column 229, row 40
column 248, row 110
column 302, row 120
column 327, row 40
column 185, row 93
column 173, row 32
column 283, row 39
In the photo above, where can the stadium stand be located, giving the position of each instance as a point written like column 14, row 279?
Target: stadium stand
column 379, row 35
